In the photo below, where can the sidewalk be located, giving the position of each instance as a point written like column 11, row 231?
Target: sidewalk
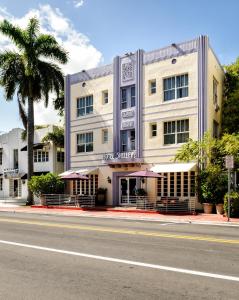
column 211, row 219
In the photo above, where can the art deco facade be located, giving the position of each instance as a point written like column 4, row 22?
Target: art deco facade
column 136, row 113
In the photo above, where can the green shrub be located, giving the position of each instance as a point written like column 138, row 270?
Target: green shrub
column 234, row 204
column 46, row 184
column 212, row 185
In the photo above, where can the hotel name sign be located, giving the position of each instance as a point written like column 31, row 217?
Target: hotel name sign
column 119, row 155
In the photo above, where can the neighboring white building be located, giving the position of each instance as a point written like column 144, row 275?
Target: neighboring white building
column 13, row 161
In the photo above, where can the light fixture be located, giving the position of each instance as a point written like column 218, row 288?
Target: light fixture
column 109, row 179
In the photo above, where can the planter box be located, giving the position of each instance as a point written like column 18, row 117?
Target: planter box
column 207, row 207
column 219, row 209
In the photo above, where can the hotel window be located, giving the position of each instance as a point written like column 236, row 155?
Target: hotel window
column 159, row 186
column 84, row 106
column 215, row 88
column 1, row 184
column 41, row 156
column 127, row 140
column 171, row 184
column 105, row 136
column 1, row 154
column 15, row 158
column 153, row 128
column 178, row 192
column 105, row 97
column 60, row 156
column 185, row 184
column 176, row 132
column 152, row 86
column 85, row 142
column 127, row 97
column 175, row 87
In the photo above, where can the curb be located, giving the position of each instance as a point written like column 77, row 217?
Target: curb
column 141, row 211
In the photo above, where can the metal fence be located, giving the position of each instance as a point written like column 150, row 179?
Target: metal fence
column 68, row 200
column 163, row 204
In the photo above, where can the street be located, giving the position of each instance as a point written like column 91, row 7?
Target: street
column 59, row 257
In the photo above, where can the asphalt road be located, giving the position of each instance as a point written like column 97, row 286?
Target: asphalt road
column 53, row 257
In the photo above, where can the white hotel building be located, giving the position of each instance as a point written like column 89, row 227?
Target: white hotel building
column 13, row 161
column 135, row 113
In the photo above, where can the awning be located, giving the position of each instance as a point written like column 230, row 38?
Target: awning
column 177, row 167
column 85, row 171
column 35, row 146
column 34, row 174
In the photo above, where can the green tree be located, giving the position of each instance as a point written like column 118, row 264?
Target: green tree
column 230, row 109
column 25, row 72
column 57, row 137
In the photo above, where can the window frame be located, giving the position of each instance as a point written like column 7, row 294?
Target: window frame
column 127, row 97
column 174, row 88
column 215, row 90
column 85, row 144
column 152, row 89
column 129, row 140
column 105, row 131
column 40, row 156
column 153, row 131
column 85, row 107
column 173, row 131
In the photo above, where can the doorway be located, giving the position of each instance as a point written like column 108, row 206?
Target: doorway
column 127, row 189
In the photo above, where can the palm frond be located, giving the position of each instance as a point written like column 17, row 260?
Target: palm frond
column 15, row 33
column 48, row 47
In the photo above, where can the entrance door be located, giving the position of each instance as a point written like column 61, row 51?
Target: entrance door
column 127, row 190
column 15, row 188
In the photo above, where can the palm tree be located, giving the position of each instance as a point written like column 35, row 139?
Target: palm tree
column 27, row 74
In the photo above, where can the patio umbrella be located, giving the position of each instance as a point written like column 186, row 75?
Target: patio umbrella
column 74, row 176
column 145, row 174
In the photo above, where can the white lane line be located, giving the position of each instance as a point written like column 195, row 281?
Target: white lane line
column 124, row 261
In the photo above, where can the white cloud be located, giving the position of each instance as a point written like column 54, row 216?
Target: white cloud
column 78, row 3
column 82, row 54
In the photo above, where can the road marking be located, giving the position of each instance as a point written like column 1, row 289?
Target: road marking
column 122, row 231
column 124, row 261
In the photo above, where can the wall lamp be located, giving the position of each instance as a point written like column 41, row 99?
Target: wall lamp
column 109, row 179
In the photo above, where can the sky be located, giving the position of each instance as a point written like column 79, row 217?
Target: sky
column 94, row 31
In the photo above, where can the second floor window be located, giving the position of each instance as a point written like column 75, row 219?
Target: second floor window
column 105, row 136
column 85, row 142
column 153, row 128
column 175, row 87
column 60, row 156
column 127, row 140
column 41, row 156
column 127, row 97
column 176, row 132
column 84, row 106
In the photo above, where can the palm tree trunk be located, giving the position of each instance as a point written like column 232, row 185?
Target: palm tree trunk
column 30, row 141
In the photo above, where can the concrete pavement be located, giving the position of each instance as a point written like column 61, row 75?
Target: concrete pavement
column 36, row 273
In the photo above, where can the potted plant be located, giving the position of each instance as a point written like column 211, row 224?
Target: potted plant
column 101, row 196
column 212, row 188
